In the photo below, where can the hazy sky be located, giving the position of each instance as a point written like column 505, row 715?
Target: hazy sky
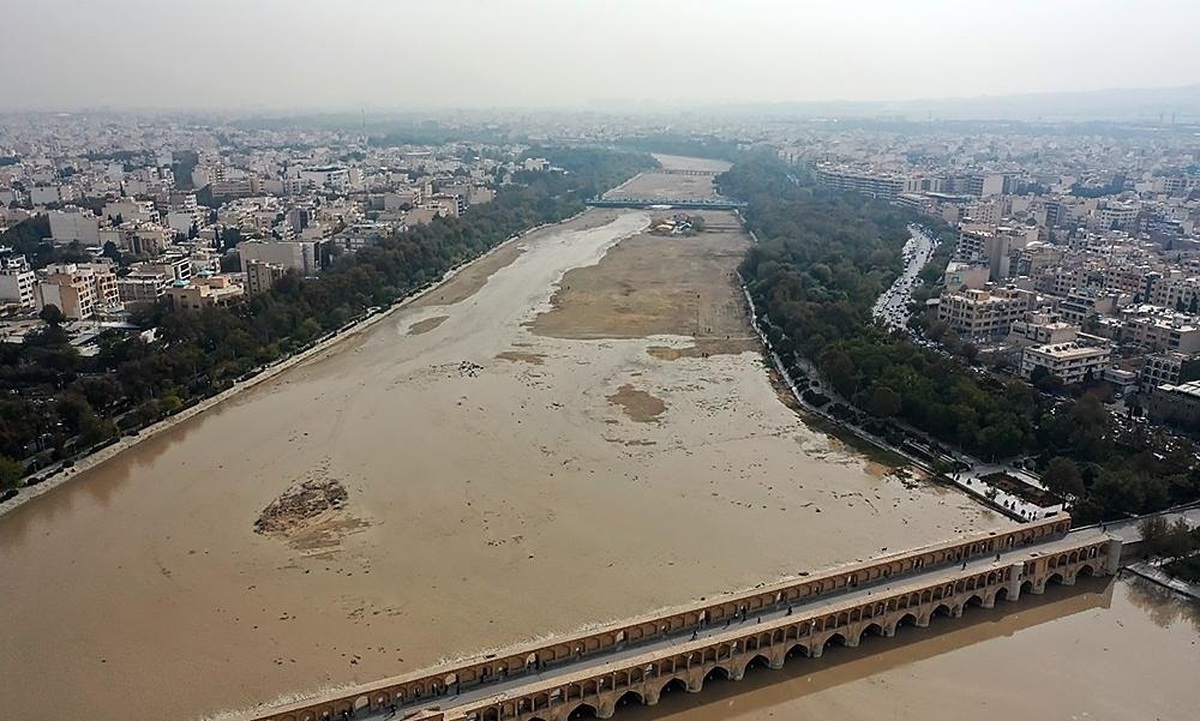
column 64, row 54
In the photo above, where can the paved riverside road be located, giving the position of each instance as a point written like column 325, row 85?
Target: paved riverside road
column 585, row 667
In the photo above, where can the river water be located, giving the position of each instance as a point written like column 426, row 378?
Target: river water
column 496, row 493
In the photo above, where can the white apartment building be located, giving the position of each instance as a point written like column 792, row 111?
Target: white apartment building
column 130, row 210
column 47, row 194
column 18, row 284
column 1072, row 362
column 74, row 224
column 883, row 186
column 303, row 256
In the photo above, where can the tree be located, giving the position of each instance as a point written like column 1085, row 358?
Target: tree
column 1045, row 381
column 1062, row 477
column 11, row 472
column 1154, row 531
column 884, row 402
column 52, row 315
column 111, row 251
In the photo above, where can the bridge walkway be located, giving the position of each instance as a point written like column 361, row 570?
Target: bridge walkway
column 587, row 667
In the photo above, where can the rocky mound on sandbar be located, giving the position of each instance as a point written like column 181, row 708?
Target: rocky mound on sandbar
column 299, row 503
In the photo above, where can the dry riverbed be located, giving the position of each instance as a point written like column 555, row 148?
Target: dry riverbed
column 576, row 430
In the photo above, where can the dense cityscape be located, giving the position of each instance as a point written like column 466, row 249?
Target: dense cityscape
column 711, row 361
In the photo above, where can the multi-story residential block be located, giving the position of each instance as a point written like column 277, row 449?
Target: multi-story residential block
column 142, row 287
column 1157, row 330
column 982, row 314
column 18, row 283
column 79, row 291
column 1073, row 362
column 1081, row 306
column 1161, row 369
column 261, row 276
column 1176, row 405
column 203, row 292
column 131, row 211
column 306, row 257
column 887, row 187
column 74, row 224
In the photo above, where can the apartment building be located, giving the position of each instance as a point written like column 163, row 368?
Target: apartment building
column 1156, row 330
column 887, row 187
column 73, row 224
column 80, row 291
column 306, row 257
column 261, row 276
column 984, row 314
column 18, row 283
column 203, row 292
column 142, row 288
column 1176, row 404
column 1073, row 362
column 1161, row 369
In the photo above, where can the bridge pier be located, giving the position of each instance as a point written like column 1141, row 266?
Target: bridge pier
column 1013, row 587
column 1112, row 562
column 956, row 611
column 852, row 640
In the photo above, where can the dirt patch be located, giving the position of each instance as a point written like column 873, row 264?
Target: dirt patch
column 424, row 326
column 652, row 285
column 878, row 470
column 705, row 347
column 638, row 404
column 300, row 503
column 522, row 357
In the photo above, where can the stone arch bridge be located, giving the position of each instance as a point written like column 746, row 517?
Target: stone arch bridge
column 593, row 674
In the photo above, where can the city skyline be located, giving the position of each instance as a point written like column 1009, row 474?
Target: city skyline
column 271, row 55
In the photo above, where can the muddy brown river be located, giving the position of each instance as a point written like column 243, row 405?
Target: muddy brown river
column 502, row 485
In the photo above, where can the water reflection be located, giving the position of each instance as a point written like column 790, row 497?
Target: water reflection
column 1162, row 605
column 101, row 484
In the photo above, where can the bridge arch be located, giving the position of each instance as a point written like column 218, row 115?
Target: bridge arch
column 629, row 698
column 1054, row 578
column 762, row 661
column 941, row 609
column 908, row 619
column 1086, row 570
column 871, row 629
column 673, row 684
column 798, row 649
column 583, row 710
column 718, row 673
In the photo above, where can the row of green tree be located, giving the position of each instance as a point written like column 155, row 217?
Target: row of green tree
column 822, row 259
column 55, row 402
